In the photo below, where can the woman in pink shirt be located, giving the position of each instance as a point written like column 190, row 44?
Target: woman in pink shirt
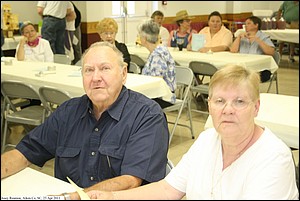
column 217, row 37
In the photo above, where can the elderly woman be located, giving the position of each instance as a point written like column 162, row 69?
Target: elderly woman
column 217, row 37
column 235, row 160
column 182, row 35
column 32, row 47
column 253, row 41
column 160, row 62
column 107, row 30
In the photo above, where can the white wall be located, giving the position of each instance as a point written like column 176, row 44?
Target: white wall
column 95, row 10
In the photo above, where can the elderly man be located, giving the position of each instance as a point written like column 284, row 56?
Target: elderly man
column 111, row 138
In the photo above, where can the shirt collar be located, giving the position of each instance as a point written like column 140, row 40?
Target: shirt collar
column 116, row 109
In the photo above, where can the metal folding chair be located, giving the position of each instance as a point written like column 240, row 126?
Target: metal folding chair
column 62, row 59
column 30, row 115
column 138, row 60
column 184, row 76
column 51, row 98
column 134, row 68
column 199, row 87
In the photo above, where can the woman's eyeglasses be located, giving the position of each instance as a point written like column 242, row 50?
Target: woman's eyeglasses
column 237, row 104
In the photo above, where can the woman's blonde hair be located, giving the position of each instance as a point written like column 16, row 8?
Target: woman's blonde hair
column 107, row 25
column 234, row 75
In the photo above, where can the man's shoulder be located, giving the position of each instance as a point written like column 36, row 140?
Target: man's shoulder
column 141, row 101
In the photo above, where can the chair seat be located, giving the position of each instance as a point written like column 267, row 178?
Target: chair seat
column 175, row 106
column 203, row 88
column 32, row 115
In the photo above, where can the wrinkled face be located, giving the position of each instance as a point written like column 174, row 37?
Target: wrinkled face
column 215, row 23
column 158, row 19
column 250, row 26
column 108, row 36
column 102, row 75
column 30, row 33
column 232, row 109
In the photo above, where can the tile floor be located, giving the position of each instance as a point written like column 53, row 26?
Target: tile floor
column 288, row 78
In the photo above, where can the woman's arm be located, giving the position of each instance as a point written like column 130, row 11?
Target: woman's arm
column 155, row 191
column 20, row 52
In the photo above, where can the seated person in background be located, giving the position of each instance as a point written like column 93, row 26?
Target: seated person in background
column 253, row 41
column 289, row 10
column 32, row 47
column 164, row 34
column 160, row 62
column 111, row 138
column 217, row 37
column 235, row 160
column 182, row 35
column 107, row 30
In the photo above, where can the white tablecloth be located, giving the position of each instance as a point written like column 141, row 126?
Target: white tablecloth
column 30, row 182
column 287, row 35
column 219, row 59
column 11, row 43
column 68, row 78
column 280, row 113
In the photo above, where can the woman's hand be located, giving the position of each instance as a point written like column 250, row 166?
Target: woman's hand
column 23, row 40
column 101, row 195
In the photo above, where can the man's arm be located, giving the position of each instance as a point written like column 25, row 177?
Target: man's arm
column 279, row 13
column 40, row 11
column 71, row 15
column 118, row 183
column 12, row 162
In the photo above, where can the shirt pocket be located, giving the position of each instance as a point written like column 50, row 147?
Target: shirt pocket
column 68, row 162
column 111, row 157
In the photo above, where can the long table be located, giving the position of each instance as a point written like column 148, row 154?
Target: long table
column 287, row 35
column 11, row 43
column 30, row 182
column 219, row 59
column 68, row 78
column 280, row 113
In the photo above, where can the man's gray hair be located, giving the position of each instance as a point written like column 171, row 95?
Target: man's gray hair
column 107, row 44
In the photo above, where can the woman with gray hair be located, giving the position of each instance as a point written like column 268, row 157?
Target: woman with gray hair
column 160, row 62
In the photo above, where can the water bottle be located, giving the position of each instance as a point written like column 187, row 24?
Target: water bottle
column 269, row 26
column 281, row 23
column 264, row 24
column 274, row 23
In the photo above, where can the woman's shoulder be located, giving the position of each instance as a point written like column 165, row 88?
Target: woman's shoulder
column 224, row 29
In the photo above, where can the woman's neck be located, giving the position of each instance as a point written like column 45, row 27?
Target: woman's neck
column 151, row 47
column 233, row 150
column 183, row 30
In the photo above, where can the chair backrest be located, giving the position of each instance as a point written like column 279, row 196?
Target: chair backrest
column 51, row 95
column 18, row 89
column 134, row 68
column 276, row 57
column 202, row 68
column 138, row 60
column 62, row 59
column 184, row 75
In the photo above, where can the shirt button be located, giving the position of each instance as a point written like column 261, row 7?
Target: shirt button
column 91, row 178
column 96, row 129
column 90, row 111
column 93, row 153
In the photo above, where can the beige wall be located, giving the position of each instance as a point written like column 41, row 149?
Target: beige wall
column 93, row 10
